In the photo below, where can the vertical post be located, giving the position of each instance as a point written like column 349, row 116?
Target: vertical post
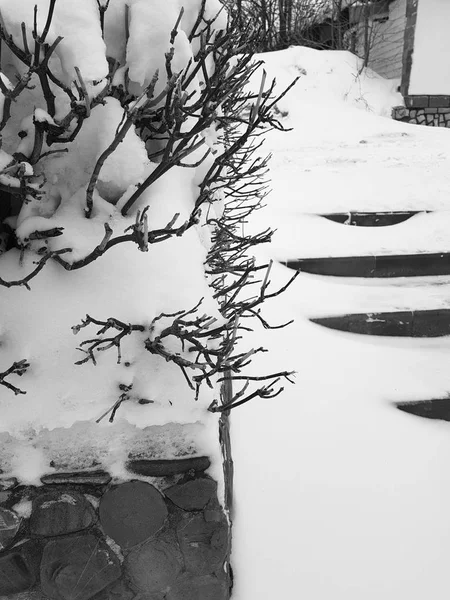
column 366, row 33
column 225, row 441
column 408, row 44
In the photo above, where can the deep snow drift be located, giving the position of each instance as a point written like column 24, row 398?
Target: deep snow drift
column 339, row 495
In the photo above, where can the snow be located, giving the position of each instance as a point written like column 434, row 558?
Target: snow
column 9, row 86
column 57, row 423
column 345, row 156
column 149, row 29
column 70, row 171
column 23, row 508
column 82, row 45
column 69, row 393
column 337, row 493
column 160, row 20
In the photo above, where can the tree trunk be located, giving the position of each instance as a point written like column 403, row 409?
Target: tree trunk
column 282, row 17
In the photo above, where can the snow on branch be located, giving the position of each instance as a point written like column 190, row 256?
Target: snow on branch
column 184, row 118
column 131, row 116
column 177, row 119
column 205, row 350
column 204, row 116
column 37, row 62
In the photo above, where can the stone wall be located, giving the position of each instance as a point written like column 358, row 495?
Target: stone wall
column 434, row 117
column 82, row 536
column 424, row 110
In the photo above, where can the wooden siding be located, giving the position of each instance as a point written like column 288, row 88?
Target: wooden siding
column 386, row 40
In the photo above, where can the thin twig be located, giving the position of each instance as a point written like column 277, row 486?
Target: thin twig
column 17, row 368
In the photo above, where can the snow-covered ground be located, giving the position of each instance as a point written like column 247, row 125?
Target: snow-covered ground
column 338, row 494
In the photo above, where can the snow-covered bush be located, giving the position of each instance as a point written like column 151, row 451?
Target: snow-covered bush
column 127, row 168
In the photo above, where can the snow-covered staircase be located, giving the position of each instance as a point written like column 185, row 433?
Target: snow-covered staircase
column 420, row 323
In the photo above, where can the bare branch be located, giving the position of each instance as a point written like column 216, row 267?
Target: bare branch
column 40, row 265
column 51, row 8
column 17, row 368
column 100, row 344
column 102, row 8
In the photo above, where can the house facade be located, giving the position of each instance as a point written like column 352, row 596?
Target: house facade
column 426, row 62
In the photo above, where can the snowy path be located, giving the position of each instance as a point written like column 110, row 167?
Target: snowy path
column 338, row 494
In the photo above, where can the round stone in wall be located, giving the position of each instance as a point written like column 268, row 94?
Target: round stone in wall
column 9, row 526
column 57, row 513
column 153, row 567
column 192, row 495
column 132, row 512
column 77, row 567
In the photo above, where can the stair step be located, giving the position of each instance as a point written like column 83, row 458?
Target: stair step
column 438, row 408
column 372, row 219
column 382, row 266
column 419, row 323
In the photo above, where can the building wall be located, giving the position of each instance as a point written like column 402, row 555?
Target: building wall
column 430, row 70
column 387, row 50
column 386, row 31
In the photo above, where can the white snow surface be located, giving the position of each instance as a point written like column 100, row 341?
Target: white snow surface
column 337, row 493
column 150, row 25
column 56, row 419
column 82, row 45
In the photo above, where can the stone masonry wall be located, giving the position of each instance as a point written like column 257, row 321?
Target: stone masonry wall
column 82, row 536
column 434, row 117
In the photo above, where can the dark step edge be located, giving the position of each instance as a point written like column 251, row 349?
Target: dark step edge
column 371, row 219
column 415, row 324
column 436, row 408
column 375, row 266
